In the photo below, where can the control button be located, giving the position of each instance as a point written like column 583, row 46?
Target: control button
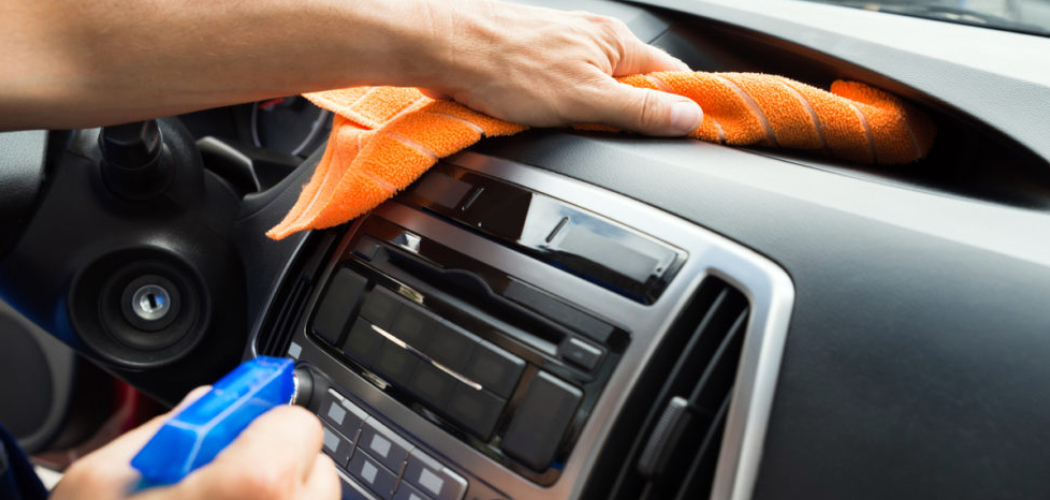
column 381, row 308
column 581, row 353
column 294, row 350
column 442, row 189
column 336, row 446
column 372, row 474
column 559, row 311
column 407, row 492
column 413, row 327
column 384, row 444
column 495, row 369
column 350, row 490
column 433, row 478
column 477, row 411
column 540, row 422
column 450, row 346
column 343, row 415
column 344, row 291
column 394, row 363
column 362, row 344
column 432, row 385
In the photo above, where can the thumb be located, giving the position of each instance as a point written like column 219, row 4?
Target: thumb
column 648, row 111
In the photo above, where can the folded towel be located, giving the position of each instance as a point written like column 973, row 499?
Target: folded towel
column 384, row 138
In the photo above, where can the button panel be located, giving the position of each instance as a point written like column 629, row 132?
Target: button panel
column 372, row 474
column 383, row 444
column 395, row 363
column 336, row 446
column 407, row 492
column 363, row 343
column 381, row 308
column 432, row 478
column 495, row 369
column 461, row 374
column 477, row 411
column 340, row 300
column 378, row 455
column 344, row 416
column 540, row 423
column 431, row 350
column 450, row 345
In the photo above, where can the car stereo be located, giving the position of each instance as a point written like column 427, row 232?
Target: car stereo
column 477, row 336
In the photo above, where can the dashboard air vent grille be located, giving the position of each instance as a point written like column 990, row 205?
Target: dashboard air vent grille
column 274, row 341
column 679, row 433
column 289, row 304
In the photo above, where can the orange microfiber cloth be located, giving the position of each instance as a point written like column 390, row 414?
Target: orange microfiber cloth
column 383, row 138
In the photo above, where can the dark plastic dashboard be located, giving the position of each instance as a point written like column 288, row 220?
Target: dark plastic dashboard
column 764, row 324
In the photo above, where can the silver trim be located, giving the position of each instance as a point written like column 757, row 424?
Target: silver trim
column 766, row 285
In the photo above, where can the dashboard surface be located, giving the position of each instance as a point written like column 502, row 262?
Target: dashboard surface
column 766, row 324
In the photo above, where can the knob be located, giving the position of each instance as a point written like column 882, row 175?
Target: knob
column 134, row 164
column 132, row 145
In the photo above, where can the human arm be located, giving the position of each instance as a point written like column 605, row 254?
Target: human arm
column 78, row 64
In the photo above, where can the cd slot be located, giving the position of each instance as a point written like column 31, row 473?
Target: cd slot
column 468, row 294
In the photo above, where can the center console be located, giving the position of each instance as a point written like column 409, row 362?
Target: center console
column 481, row 336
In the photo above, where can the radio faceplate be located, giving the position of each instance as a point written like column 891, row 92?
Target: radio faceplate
column 508, row 368
column 575, row 336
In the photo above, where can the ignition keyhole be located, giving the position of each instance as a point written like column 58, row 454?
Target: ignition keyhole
column 151, row 302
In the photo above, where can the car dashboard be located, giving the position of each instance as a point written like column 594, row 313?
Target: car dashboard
column 489, row 320
column 576, row 315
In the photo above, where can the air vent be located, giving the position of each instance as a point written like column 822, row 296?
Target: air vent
column 274, row 341
column 289, row 305
column 677, row 435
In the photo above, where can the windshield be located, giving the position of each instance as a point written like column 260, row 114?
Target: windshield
column 1025, row 16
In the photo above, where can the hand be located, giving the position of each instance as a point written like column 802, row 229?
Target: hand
column 543, row 67
column 276, row 457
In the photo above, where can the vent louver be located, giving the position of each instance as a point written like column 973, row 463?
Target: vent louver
column 274, row 341
column 675, row 436
column 289, row 305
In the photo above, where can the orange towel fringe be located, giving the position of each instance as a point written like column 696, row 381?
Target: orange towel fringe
column 384, row 138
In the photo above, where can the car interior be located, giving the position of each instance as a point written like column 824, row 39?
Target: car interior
column 569, row 314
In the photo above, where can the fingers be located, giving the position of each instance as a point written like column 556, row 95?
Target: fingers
column 639, row 57
column 646, row 111
column 323, row 483
column 276, row 457
column 107, row 472
column 289, row 438
column 635, row 56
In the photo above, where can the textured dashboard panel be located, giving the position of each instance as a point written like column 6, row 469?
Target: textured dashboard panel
column 915, row 363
